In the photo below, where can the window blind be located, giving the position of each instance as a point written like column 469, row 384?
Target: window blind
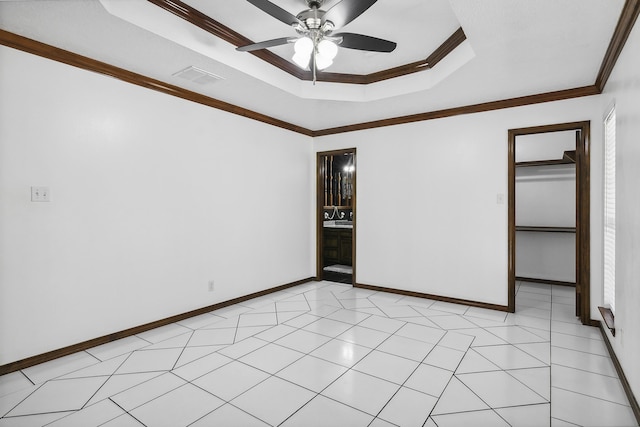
column 610, row 210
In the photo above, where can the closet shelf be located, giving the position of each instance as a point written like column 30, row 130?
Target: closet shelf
column 568, row 158
column 542, row 229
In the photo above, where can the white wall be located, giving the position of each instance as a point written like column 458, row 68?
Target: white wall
column 547, row 256
column 149, row 203
column 544, row 146
column 427, row 213
column 152, row 197
column 546, row 196
column 623, row 88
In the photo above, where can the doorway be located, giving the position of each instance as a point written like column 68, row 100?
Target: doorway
column 581, row 159
column 336, row 216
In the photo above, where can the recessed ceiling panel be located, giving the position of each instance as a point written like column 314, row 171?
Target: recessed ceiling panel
column 418, row 28
column 513, row 48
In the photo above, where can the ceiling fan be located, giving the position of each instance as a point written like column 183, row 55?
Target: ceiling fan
column 317, row 45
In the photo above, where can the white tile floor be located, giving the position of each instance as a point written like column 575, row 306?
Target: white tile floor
column 326, row 354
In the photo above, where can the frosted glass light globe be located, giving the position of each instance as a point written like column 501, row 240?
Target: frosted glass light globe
column 303, row 46
column 302, row 60
column 328, row 49
column 323, row 62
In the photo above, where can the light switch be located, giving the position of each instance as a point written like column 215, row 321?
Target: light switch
column 40, row 194
column 500, row 199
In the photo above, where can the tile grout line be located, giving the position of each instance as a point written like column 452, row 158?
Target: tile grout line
column 183, row 349
column 290, row 364
column 416, row 368
column 125, row 412
column 348, row 369
column 337, row 297
column 28, row 379
column 592, row 397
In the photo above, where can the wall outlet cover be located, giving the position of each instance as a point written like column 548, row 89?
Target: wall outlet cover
column 40, row 194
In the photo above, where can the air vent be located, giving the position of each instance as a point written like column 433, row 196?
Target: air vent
column 197, row 75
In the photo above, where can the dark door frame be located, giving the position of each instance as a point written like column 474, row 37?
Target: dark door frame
column 583, row 221
column 320, row 173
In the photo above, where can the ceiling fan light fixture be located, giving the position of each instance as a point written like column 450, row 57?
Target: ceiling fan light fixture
column 327, row 27
column 327, row 49
column 301, row 60
column 303, row 46
column 323, row 62
column 317, row 47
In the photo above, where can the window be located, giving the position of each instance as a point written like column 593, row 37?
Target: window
column 610, row 211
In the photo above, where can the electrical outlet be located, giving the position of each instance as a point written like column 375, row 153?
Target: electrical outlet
column 40, row 194
column 210, row 285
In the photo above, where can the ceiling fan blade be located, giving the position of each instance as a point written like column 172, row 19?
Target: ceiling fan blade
column 275, row 11
column 362, row 42
column 346, row 11
column 266, row 44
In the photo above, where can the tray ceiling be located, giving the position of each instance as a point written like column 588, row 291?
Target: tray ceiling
column 512, row 48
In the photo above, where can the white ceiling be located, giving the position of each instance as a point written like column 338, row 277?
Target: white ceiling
column 513, row 48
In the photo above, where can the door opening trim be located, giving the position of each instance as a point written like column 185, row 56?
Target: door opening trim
column 320, row 194
column 583, row 221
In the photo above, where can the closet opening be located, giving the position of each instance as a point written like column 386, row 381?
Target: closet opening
column 549, row 222
column 336, row 216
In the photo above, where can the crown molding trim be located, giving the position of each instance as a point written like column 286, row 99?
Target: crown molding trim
column 199, row 19
column 627, row 20
column 468, row 109
column 60, row 55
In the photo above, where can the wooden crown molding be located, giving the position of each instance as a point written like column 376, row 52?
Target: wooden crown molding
column 199, row 19
column 627, row 20
column 625, row 24
column 51, row 52
column 469, row 109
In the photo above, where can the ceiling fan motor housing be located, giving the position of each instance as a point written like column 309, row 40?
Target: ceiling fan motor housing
column 312, row 18
column 317, row 26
